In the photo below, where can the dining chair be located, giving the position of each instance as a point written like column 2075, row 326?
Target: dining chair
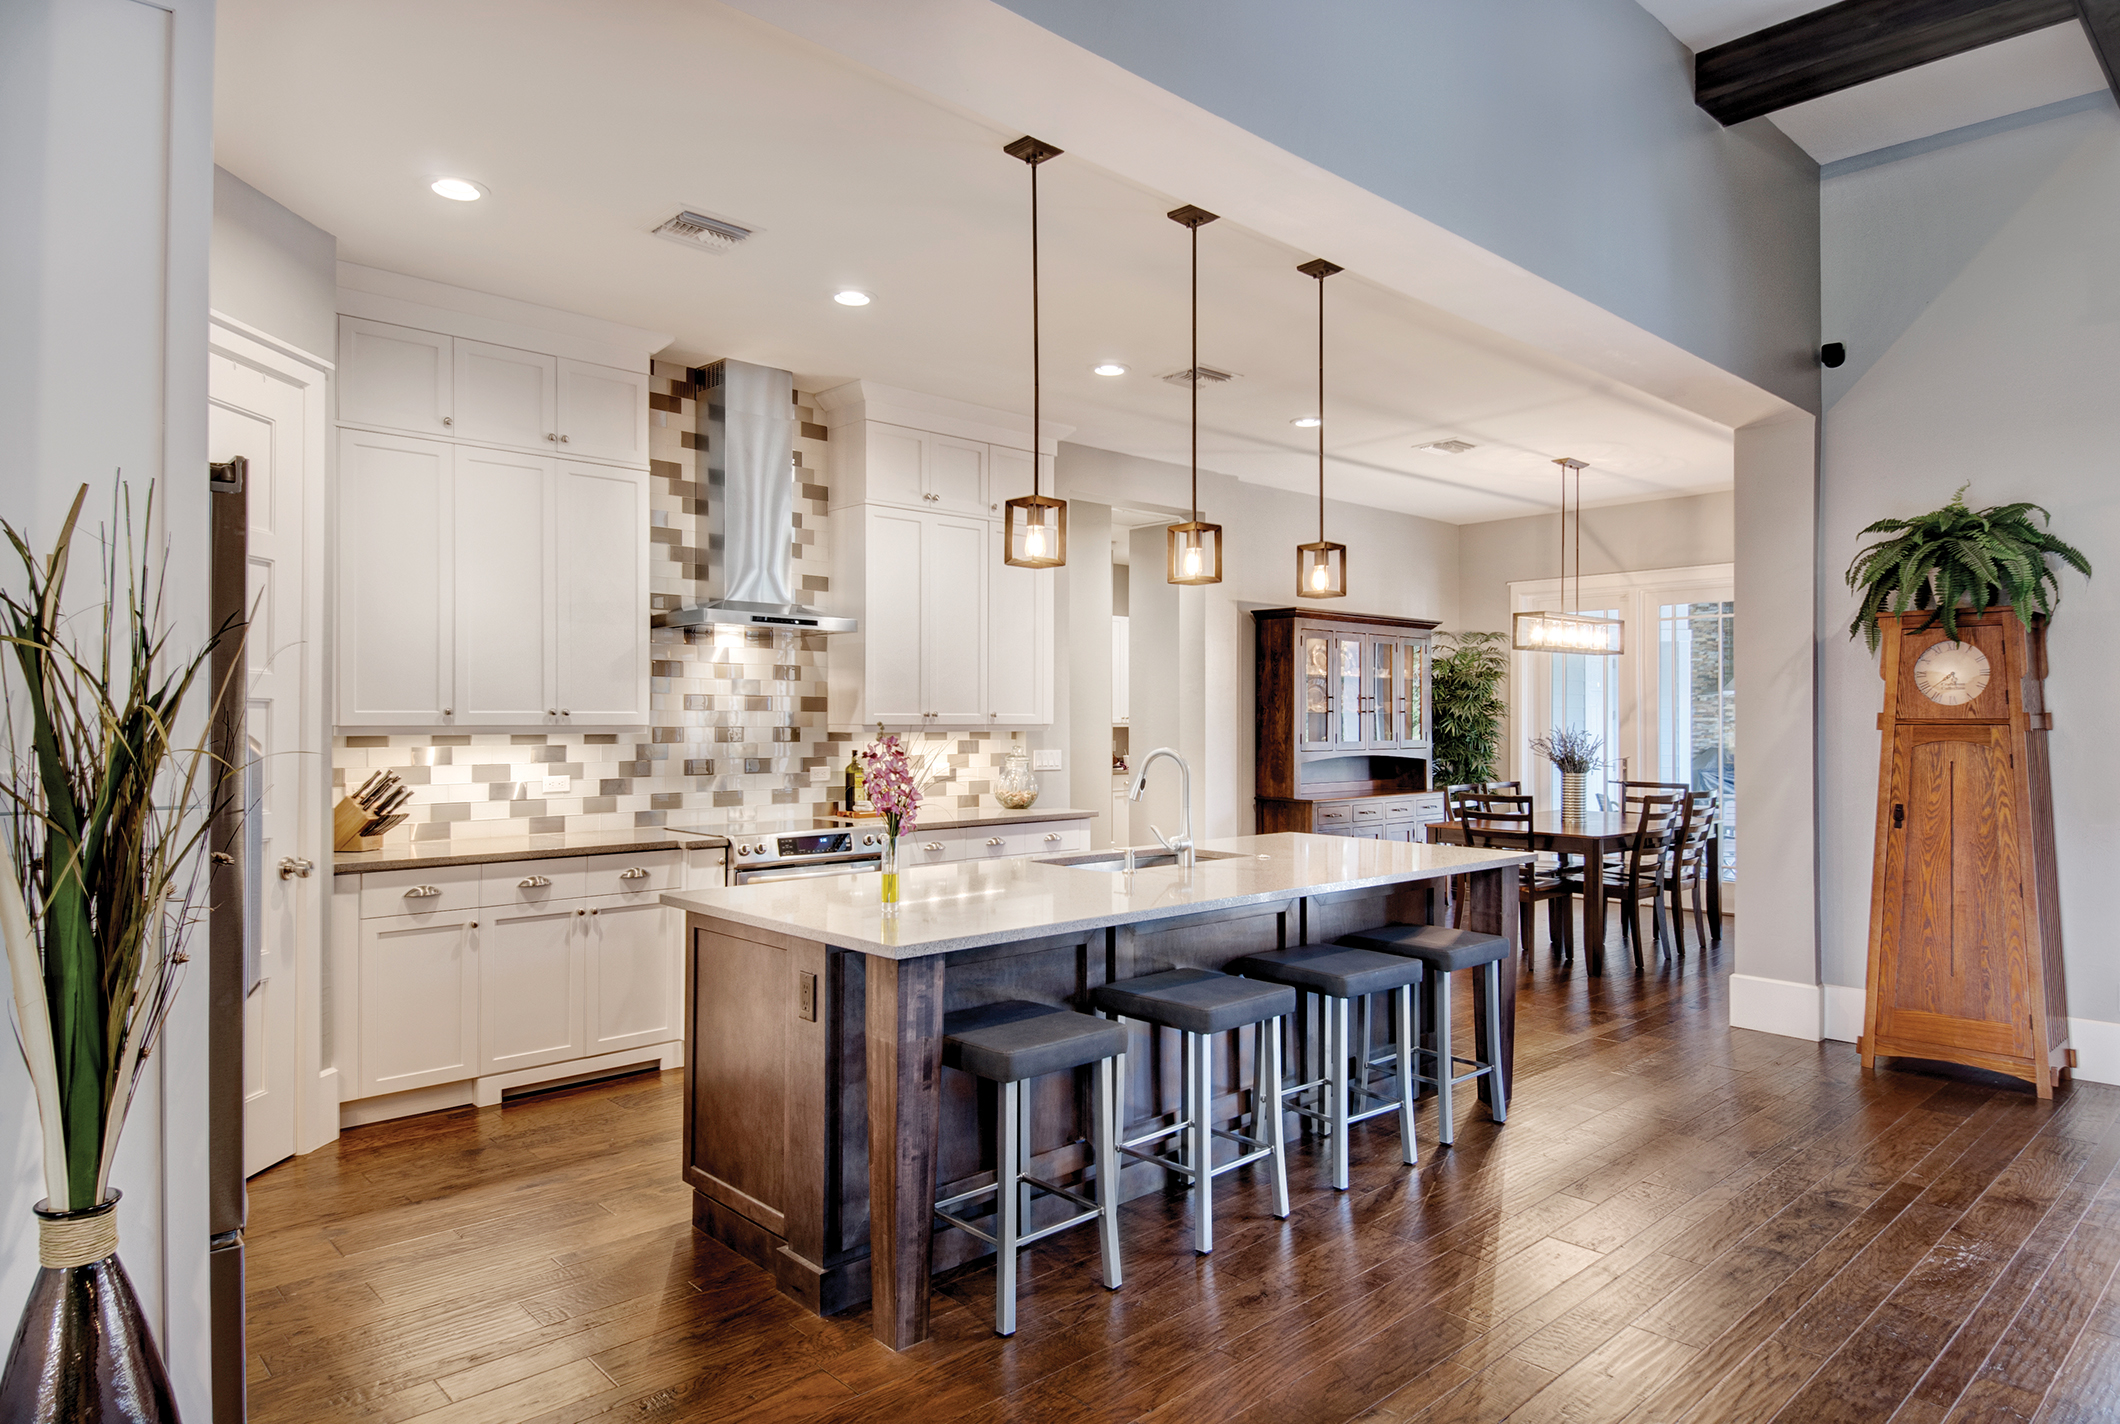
column 1659, row 820
column 1504, row 822
column 1690, row 868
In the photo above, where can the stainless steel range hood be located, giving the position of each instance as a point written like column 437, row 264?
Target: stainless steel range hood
column 747, row 416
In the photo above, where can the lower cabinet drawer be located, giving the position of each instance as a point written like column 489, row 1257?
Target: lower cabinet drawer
column 424, row 893
column 638, row 879
column 1334, row 817
column 526, row 884
column 1060, row 839
column 928, row 847
column 989, row 843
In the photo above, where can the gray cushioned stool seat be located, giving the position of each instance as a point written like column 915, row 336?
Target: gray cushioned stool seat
column 1013, row 1040
column 1195, row 1000
column 1446, row 949
column 1332, row 969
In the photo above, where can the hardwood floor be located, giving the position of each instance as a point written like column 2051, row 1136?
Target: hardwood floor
column 1680, row 1222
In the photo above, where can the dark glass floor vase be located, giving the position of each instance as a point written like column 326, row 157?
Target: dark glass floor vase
column 83, row 1353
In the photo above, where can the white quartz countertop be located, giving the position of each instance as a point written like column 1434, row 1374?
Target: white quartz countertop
column 968, row 904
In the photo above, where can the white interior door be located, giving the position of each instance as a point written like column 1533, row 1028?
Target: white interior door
column 258, row 415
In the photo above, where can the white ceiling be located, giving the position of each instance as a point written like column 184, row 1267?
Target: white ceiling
column 589, row 125
column 2043, row 67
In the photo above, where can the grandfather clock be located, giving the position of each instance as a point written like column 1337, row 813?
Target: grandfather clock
column 1965, row 915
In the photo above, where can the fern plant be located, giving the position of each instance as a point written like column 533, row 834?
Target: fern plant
column 1465, row 683
column 1983, row 558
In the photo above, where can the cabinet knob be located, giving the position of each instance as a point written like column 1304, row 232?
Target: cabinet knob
column 448, row 420
column 563, row 440
column 474, row 924
column 596, row 912
column 565, row 712
column 551, row 711
column 448, row 711
column 549, row 435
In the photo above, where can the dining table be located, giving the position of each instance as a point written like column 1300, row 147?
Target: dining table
column 1593, row 836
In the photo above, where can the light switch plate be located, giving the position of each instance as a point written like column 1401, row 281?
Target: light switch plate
column 558, row 785
column 1047, row 759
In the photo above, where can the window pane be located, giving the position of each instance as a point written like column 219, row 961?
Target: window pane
column 1585, row 694
column 1697, row 707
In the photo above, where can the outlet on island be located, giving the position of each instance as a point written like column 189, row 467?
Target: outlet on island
column 558, row 785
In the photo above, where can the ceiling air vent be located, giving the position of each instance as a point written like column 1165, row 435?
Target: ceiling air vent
column 699, row 230
column 1209, row 376
column 1447, row 447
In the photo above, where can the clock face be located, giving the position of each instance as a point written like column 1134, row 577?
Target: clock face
column 1951, row 674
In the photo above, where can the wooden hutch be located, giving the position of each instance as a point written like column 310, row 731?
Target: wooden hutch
column 1344, row 725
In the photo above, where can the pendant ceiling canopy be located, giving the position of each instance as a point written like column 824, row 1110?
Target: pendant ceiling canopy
column 1321, row 567
column 1540, row 632
column 1193, row 549
column 1037, row 523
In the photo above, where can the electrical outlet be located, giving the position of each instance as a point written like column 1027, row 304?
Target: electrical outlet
column 558, row 785
column 1047, row 759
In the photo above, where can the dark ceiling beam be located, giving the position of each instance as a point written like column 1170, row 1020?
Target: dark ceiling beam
column 2101, row 23
column 1856, row 41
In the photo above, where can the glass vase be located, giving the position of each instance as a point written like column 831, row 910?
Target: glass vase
column 889, row 868
column 1573, row 785
column 83, row 1350
column 1017, row 785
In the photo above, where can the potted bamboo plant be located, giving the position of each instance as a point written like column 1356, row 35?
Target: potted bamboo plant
column 1465, row 685
column 1956, row 556
column 102, row 814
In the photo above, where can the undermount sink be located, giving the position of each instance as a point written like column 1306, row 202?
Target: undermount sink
column 1143, row 860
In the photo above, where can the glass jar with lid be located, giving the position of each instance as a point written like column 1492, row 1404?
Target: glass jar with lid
column 1017, row 786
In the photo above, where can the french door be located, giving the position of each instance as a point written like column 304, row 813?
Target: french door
column 1665, row 708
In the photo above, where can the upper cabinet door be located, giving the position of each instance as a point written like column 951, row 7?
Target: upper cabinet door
column 1314, row 689
column 394, row 376
column 953, row 558
column 504, row 589
column 505, row 396
column 1383, row 716
column 1019, row 640
column 602, row 588
column 603, row 412
column 1411, row 728
column 395, row 580
column 956, row 475
column 893, row 466
column 1349, row 695
column 889, row 643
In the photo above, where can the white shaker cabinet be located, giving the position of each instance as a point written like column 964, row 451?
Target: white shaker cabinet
column 635, row 991
column 397, row 588
column 504, row 579
column 505, row 396
column 419, row 1002
column 603, row 413
column 395, row 377
column 1019, row 639
column 888, row 645
column 1122, row 658
column 952, row 588
column 531, row 983
column 600, row 583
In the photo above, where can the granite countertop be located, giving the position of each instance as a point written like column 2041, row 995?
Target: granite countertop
column 967, row 904
column 963, row 820
column 492, row 850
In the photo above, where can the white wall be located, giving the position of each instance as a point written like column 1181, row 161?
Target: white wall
column 1978, row 289
column 1196, row 645
column 273, row 270
column 106, row 113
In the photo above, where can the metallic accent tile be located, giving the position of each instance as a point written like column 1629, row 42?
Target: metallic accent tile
column 666, row 801
column 368, row 741
column 493, row 771
column 615, row 786
column 698, row 766
column 526, row 739
column 547, row 825
column 518, row 810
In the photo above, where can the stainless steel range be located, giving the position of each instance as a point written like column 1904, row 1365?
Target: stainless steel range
column 793, row 853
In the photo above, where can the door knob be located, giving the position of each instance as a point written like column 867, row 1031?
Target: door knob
column 295, row 868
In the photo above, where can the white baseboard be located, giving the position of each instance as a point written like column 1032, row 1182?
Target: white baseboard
column 1844, row 1011
column 1775, row 1006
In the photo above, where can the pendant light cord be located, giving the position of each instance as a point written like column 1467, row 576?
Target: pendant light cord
column 1037, row 384
column 1321, row 410
column 1195, row 381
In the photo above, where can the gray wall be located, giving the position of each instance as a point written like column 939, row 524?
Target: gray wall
column 272, row 270
column 1978, row 289
column 1560, row 134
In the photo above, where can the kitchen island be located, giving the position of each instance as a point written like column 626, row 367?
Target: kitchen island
column 813, row 1030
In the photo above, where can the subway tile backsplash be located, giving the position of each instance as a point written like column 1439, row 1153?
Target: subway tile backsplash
column 739, row 715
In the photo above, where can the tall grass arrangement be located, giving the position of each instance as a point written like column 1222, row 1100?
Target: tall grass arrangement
column 1575, row 750
column 102, row 815
column 1957, row 555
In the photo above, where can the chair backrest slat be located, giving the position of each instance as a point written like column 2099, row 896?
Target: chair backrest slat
column 1660, row 820
column 1497, row 820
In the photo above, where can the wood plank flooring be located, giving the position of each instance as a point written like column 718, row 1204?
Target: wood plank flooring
column 1680, row 1222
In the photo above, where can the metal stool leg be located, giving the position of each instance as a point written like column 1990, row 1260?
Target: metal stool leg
column 1404, row 1003
column 1202, row 1063
column 1006, row 1225
column 1497, row 1098
column 1445, row 1061
column 1276, row 1137
column 1023, row 1155
column 1107, row 1134
column 1339, row 1009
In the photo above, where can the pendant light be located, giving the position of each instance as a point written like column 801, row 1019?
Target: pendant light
column 1194, row 549
column 1037, row 523
column 1321, row 568
column 1568, row 632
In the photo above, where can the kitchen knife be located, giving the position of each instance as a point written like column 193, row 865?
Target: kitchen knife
column 396, row 799
column 382, row 790
column 358, row 795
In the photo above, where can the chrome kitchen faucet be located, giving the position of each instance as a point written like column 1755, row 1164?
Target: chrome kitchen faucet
column 1182, row 847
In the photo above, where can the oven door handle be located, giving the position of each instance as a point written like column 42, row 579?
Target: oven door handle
column 751, row 876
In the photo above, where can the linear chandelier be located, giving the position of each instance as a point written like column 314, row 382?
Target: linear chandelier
column 1540, row 632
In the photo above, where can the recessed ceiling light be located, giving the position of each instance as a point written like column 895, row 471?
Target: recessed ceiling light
column 851, row 298
column 1307, row 422
column 461, row 190
column 1108, row 368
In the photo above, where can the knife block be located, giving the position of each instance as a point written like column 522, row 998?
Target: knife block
column 347, row 818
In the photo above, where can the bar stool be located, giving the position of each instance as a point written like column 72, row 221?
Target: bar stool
column 1339, row 976
column 1009, row 1044
column 1200, row 1004
column 1445, row 951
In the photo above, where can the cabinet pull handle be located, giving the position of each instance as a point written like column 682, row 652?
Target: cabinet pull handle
column 995, row 840
column 533, row 882
column 423, row 892
column 637, row 872
column 1899, row 815
column 932, row 845
column 1052, row 835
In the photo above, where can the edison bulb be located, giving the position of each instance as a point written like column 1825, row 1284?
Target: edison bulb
column 1192, row 560
column 1034, row 542
column 1317, row 575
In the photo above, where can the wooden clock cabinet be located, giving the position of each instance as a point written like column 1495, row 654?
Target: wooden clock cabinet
column 1344, row 731
column 1965, row 919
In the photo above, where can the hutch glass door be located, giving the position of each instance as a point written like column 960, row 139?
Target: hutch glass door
column 1314, row 690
